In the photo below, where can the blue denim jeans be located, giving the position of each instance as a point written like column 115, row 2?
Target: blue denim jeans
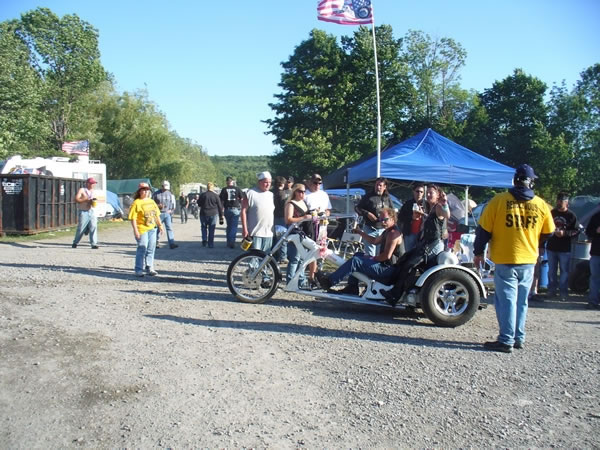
column 208, row 225
column 293, row 264
column 594, row 296
column 371, row 249
column 364, row 264
column 512, row 283
column 262, row 243
column 167, row 221
column 410, row 241
column 558, row 260
column 282, row 253
column 86, row 218
column 144, row 255
column 184, row 214
column 232, row 215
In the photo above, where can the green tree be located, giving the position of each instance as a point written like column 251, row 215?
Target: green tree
column 396, row 91
column 326, row 115
column 306, row 126
column 576, row 117
column 515, row 106
column 23, row 128
column 434, row 69
column 136, row 142
column 64, row 53
column 198, row 166
column 510, row 125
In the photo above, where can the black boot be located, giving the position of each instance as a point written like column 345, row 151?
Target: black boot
column 391, row 296
column 350, row 289
column 323, row 280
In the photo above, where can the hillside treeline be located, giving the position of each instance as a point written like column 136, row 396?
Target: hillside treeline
column 53, row 89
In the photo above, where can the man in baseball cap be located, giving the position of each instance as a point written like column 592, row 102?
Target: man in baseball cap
column 165, row 200
column 525, row 171
column 257, row 213
column 513, row 223
column 86, row 219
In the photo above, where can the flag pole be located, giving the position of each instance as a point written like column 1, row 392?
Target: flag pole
column 377, row 92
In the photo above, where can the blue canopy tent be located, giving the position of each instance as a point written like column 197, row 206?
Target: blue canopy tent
column 427, row 157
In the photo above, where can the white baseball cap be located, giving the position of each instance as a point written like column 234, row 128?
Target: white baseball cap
column 166, row 184
column 263, row 175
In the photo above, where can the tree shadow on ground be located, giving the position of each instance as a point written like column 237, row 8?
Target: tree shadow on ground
column 309, row 330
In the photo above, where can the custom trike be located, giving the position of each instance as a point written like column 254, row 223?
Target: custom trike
column 448, row 293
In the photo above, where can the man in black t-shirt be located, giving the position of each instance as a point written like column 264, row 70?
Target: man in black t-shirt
column 184, row 202
column 231, row 197
column 369, row 207
column 558, row 247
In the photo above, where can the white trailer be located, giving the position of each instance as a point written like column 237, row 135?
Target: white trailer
column 82, row 169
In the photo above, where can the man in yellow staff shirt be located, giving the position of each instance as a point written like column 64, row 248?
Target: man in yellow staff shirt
column 513, row 223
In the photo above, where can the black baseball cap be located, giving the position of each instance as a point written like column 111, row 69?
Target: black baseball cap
column 525, row 171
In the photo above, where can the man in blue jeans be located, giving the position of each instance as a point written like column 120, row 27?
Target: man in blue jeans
column 166, row 203
column 558, row 247
column 513, row 223
column 86, row 215
column 231, row 197
column 379, row 267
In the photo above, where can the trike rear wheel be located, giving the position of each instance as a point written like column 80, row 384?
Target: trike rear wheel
column 450, row 298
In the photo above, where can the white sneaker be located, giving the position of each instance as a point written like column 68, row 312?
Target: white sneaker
column 139, row 274
column 152, row 272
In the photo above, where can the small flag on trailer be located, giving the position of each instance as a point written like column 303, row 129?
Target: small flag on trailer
column 76, row 147
column 345, row 12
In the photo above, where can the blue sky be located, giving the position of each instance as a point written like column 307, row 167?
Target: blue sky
column 213, row 67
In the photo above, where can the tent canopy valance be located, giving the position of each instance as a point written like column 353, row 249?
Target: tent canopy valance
column 427, row 157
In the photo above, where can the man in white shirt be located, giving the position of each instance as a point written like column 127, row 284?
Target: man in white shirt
column 257, row 213
column 317, row 200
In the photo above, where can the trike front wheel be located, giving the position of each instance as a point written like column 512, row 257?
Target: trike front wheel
column 247, row 285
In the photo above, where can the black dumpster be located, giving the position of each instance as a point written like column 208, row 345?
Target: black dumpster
column 31, row 204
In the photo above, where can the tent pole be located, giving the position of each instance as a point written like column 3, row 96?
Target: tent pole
column 347, row 191
column 466, row 205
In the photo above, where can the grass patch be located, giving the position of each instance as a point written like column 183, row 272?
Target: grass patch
column 102, row 225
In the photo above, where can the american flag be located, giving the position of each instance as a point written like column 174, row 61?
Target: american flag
column 76, row 147
column 345, row 12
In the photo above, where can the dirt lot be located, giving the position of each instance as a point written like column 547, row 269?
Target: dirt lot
column 91, row 356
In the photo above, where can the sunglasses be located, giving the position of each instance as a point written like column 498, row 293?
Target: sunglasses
column 301, row 192
column 385, row 219
column 317, row 182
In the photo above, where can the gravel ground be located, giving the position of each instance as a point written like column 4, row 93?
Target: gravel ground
column 91, row 356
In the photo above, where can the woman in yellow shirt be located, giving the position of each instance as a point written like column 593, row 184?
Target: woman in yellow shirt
column 145, row 218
